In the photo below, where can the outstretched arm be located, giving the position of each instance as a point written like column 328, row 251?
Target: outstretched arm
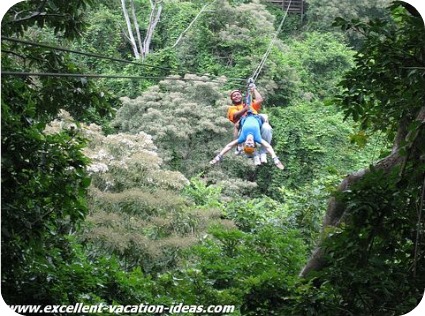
column 224, row 151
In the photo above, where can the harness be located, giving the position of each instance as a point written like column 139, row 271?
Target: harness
column 259, row 118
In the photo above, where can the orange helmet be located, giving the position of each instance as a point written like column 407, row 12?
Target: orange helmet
column 248, row 150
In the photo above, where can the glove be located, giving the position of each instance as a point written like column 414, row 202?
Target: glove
column 251, row 84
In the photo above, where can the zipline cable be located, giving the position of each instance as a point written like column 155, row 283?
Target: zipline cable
column 267, row 53
column 193, row 22
column 101, row 57
column 250, row 80
column 3, row 38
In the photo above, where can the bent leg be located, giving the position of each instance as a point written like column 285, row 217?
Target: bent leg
column 271, row 151
column 266, row 134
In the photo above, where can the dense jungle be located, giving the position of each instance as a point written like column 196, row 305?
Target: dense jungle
column 111, row 112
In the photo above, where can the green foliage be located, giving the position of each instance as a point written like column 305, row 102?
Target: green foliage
column 371, row 262
column 101, row 36
column 176, row 17
column 224, row 43
column 80, row 280
column 388, row 81
column 234, row 262
column 307, row 67
column 306, row 206
column 320, row 60
column 254, row 213
column 378, row 243
column 66, row 18
column 44, row 182
column 41, row 98
column 299, row 297
column 321, row 14
column 201, row 194
column 43, row 198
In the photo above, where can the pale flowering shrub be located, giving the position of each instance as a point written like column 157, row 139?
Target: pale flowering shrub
column 63, row 122
column 186, row 118
column 136, row 208
column 97, row 168
column 122, row 161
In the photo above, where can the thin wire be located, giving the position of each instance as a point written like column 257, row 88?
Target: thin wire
column 102, row 56
column 267, row 53
column 58, row 74
column 193, row 22
column 77, row 52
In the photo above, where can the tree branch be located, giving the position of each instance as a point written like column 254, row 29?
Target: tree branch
column 130, row 31
column 153, row 21
column 336, row 212
column 136, row 26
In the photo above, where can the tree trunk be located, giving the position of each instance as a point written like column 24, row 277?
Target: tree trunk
column 130, row 31
column 136, row 26
column 153, row 21
column 336, row 212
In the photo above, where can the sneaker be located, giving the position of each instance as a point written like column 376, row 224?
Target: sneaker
column 278, row 163
column 263, row 158
column 257, row 161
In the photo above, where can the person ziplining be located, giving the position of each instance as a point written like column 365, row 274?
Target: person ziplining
column 250, row 135
column 238, row 109
column 251, row 108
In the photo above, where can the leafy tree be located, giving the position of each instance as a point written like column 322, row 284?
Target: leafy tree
column 229, row 263
column 313, row 142
column 320, row 14
column 136, row 211
column 180, row 115
column 373, row 226
column 319, row 60
column 231, row 40
column 43, row 176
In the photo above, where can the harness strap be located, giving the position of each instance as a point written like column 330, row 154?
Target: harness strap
column 248, row 96
column 259, row 118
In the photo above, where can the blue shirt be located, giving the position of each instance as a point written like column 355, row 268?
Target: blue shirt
column 250, row 125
